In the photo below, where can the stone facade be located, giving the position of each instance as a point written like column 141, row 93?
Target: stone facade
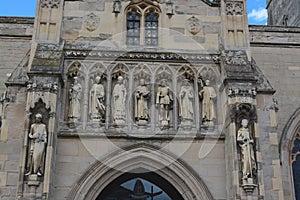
column 283, row 13
column 71, row 68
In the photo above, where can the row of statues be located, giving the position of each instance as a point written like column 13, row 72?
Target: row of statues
column 163, row 100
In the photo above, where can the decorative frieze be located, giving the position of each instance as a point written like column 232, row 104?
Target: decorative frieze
column 50, row 3
column 91, row 22
column 234, row 8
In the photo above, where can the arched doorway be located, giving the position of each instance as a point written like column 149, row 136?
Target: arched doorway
column 142, row 161
column 142, row 186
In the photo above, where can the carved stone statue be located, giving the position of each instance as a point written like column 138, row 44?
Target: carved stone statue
column 164, row 99
column 246, row 142
column 38, row 140
column 75, row 98
column 119, row 100
column 96, row 106
column 207, row 95
column 141, row 96
column 186, row 96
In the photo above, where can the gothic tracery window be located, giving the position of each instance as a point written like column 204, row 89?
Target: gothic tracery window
column 142, row 25
column 133, row 27
column 295, row 162
column 151, row 29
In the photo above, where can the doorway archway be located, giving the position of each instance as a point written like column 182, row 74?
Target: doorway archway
column 146, row 162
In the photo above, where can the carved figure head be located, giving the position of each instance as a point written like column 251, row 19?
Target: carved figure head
column 38, row 117
column 98, row 79
column 120, row 79
column 186, row 82
column 142, row 81
column 207, row 82
column 244, row 123
column 163, row 82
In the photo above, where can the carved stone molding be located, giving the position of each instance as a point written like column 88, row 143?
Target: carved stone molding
column 241, row 95
column 79, row 53
column 234, row 8
column 91, row 22
column 50, row 3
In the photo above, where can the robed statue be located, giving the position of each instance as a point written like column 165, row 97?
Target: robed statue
column 119, row 102
column 207, row 96
column 141, row 97
column 186, row 96
column 96, row 105
column 38, row 139
column 246, row 142
column 75, row 94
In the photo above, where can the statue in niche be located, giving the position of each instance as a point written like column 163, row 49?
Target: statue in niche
column 141, row 96
column 186, row 96
column 38, row 138
column 97, row 107
column 119, row 99
column 164, row 100
column 246, row 142
column 75, row 98
column 207, row 96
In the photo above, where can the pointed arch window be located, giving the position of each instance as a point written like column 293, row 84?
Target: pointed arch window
column 142, row 24
column 295, row 161
column 133, row 27
column 151, row 28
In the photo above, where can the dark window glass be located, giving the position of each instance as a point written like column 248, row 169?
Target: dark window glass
column 133, row 28
column 151, row 29
column 296, row 167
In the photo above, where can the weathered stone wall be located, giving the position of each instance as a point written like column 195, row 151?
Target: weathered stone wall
column 283, row 13
column 76, row 155
column 15, row 37
column 276, row 51
column 172, row 29
column 11, row 142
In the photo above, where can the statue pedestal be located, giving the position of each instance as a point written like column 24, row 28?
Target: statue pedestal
column 33, row 180
column 119, row 122
column 164, row 123
column 248, row 185
column 142, row 122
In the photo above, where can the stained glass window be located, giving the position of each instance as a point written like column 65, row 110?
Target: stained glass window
column 133, row 28
column 151, row 29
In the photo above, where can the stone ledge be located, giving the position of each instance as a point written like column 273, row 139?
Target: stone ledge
column 17, row 20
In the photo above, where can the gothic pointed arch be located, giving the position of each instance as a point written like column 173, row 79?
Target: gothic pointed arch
column 142, row 158
column 289, row 151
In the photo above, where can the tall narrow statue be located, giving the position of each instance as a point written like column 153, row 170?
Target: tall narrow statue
column 119, row 100
column 186, row 96
column 246, row 142
column 141, row 96
column 207, row 95
column 164, row 100
column 96, row 106
column 75, row 97
column 38, row 140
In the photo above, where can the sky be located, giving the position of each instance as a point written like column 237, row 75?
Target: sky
column 257, row 14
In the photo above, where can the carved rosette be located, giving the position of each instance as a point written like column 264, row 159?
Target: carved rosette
column 91, row 22
column 234, row 8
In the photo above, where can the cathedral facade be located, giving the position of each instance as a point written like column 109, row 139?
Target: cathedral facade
column 148, row 99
